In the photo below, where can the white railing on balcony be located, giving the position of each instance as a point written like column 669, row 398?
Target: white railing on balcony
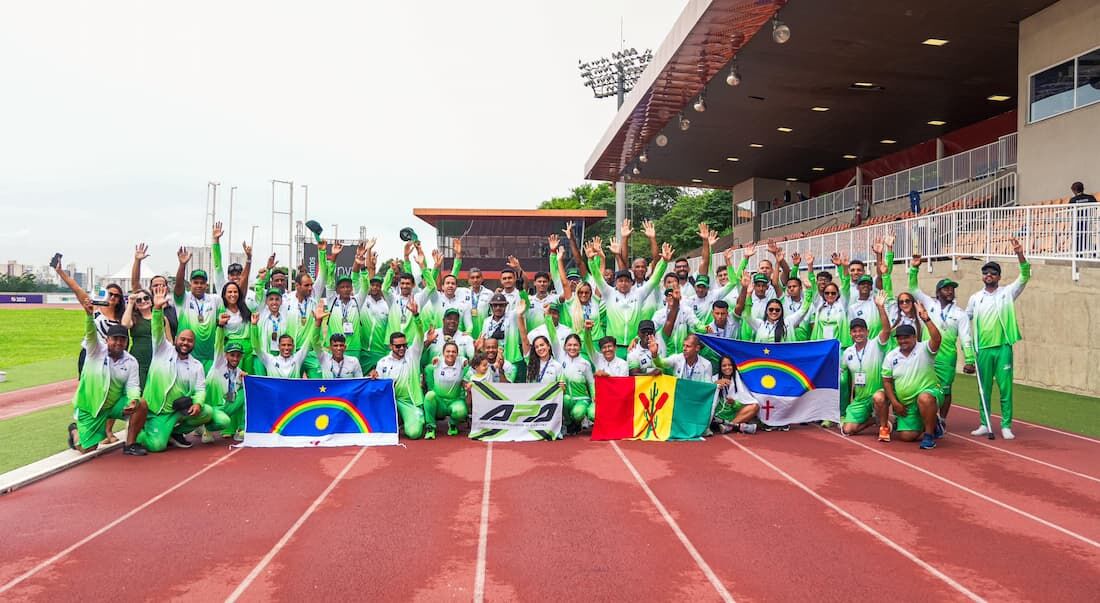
column 828, row 204
column 968, row 165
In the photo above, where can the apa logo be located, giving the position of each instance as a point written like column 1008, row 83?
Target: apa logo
column 522, row 413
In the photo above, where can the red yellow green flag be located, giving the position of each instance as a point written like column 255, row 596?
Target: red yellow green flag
column 652, row 408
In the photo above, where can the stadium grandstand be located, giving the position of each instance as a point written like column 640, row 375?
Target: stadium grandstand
column 953, row 126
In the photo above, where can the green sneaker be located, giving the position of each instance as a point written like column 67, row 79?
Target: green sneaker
column 452, row 430
column 429, row 434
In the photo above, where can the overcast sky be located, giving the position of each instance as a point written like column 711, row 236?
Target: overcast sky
column 114, row 115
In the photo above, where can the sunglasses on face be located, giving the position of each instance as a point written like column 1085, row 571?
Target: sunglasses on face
column 989, row 272
column 399, row 346
column 905, row 301
column 775, row 309
column 141, row 298
column 830, row 293
column 113, row 294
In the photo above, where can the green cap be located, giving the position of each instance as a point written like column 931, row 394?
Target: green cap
column 273, row 291
column 199, row 273
column 866, row 278
column 946, row 282
column 345, row 277
column 450, row 311
column 280, row 270
column 667, row 291
column 555, row 306
column 703, row 280
column 573, row 273
column 233, row 346
column 760, row 278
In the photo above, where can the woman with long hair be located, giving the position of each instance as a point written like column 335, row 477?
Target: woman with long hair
column 775, row 327
column 541, row 365
column 238, row 329
column 138, row 320
column 729, row 414
column 905, row 313
column 446, row 395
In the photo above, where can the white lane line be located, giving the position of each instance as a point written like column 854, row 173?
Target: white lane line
column 972, row 491
column 483, row 531
column 866, row 528
column 1025, row 457
column 256, row 571
column 709, row 573
column 41, row 566
column 1036, row 425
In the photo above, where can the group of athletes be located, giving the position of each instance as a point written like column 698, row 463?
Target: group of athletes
column 171, row 359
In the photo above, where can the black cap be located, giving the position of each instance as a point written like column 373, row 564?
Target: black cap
column 857, row 322
column 117, row 331
column 624, row 274
column 182, row 404
column 992, row 266
column 498, row 298
column 905, row 331
column 234, row 268
column 647, row 325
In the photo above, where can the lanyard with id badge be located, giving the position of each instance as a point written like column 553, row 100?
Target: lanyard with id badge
column 274, row 343
column 859, row 378
column 348, row 327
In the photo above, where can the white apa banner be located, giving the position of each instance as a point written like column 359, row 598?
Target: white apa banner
column 515, row 412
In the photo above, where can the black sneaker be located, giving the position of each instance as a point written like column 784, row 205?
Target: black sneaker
column 179, row 441
column 69, row 435
column 134, row 449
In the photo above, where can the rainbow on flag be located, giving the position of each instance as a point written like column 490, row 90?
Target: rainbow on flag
column 319, row 412
column 652, row 408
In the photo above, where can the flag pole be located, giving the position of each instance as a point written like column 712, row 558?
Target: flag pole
column 981, row 391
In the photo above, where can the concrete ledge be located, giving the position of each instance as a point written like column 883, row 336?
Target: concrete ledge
column 51, row 465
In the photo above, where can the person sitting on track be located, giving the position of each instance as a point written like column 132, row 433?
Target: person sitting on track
column 729, row 414
column 863, row 364
column 910, row 385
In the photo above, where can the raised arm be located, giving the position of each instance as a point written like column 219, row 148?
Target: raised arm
column 141, row 251
column 705, row 235
column 624, row 247
column 884, row 319
column 216, row 255
column 81, row 294
column 742, row 295
column 247, row 267
column 654, row 281
column 650, row 231
column 1017, row 286
column 128, row 314
column 456, row 266
column 178, row 289
column 934, row 336
column 914, row 283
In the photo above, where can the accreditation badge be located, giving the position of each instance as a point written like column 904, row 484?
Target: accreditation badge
column 860, row 378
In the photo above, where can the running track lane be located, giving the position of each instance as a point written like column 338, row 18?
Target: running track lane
column 569, row 520
column 402, row 523
column 30, row 399
column 994, row 552
column 765, row 538
column 204, row 538
column 43, row 519
column 1072, row 451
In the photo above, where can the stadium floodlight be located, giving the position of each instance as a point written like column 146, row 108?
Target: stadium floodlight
column 644, row 157
column 780, row 32
column 734, row 77
column 662, row 140
column 636, row 170
column 685, row 123
column 701, row 103
column 615, row 77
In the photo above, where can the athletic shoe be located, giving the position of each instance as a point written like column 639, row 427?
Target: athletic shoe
column 980, row 431
column 452, row 430
column 884, row 434
column 784, row 428
column 226, row 435
column 769, row 428
column 207, row 437
column 748, row 428
column 239, row 436
column 134, row 450
column 939, row 428
column 928, row 442
column 1007, row 434
column 429, row 434
column 179, row 441
column 825, row 424
column 69, row 435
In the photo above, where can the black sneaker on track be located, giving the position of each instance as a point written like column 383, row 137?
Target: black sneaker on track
column 179, row 441
column 134, row 450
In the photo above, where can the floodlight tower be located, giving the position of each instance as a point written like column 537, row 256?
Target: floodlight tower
column 615, row 77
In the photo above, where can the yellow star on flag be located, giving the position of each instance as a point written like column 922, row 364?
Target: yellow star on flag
column 767, row 351
column 322, row 388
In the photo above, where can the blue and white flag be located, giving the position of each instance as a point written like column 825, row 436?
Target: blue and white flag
column 319, row 412
column 794, row 382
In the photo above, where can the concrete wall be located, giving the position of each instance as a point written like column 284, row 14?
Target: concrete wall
column 1058, row 319
column 1058, row 150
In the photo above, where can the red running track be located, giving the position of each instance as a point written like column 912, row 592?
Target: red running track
column 771, row 516
column 30, row 399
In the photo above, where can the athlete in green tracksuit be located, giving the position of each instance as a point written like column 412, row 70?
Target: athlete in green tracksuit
column 108, row 389
column 862, row 366
column 175, row 389
column 954, row 326
column 993, row 313
column 196, row 309
column 623, row 302
column 402, row 365
column 225, row 383
column 446, row 397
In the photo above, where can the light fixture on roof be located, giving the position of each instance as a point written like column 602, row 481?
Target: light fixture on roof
column 849, row 156
column 888, row 141
column 734, row 77
column 818, row 169
column 863, row 84
column 733, row 159
column 935, row 42
column 636, row 171
column 662, row 140
column 819, row 109
column 685, row 123
column 784, row 129
column 701, row 103
column 780, row 32
column 756, row 145
column 643, row 157
column 712, row 170
column 696, row 180
column 997, row 97
column 936, row 122
column 792, row 179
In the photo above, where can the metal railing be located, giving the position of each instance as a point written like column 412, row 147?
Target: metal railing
column 979, row 228
column 828, row 204
column 968, row 165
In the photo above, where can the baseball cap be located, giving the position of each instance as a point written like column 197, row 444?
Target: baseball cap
column 702, row 280
column 554, row 306
column 450, row 311
column 866, row 278
column 905, row 331
column 647, row 325
column 760, row 278
column 233, row 346
column 273, row 291
column 198, row 273
column 992, row 266
column 573, row 274
column 234, row 268
column 342, row 278
column 280, row 270
column 376, row 279
column 946, row 282
column 857, row 322
column 624, row 274
column 117, row 331
column 498, row 298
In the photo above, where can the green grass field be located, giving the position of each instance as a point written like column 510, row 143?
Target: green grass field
column 39, row 346
column 35, row 436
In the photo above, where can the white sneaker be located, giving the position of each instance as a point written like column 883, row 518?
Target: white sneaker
column 980, row 431
column 207, row 437
column 748, row 428
column 1007, row 434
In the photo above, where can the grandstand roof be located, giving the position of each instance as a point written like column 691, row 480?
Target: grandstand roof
column 833, row 45
column 434, row 215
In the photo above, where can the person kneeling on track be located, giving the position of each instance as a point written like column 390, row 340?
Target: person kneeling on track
column 910, row 385
column 863, row 363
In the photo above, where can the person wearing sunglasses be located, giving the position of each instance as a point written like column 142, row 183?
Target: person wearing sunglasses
column 954, row 326
column 235, row 272
column 994, row 328
column 105, row 314
column 910, row 387
column 775, row 327
column 138, row 321
column 402, row 365
column 797, row 292
column 763, row 289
